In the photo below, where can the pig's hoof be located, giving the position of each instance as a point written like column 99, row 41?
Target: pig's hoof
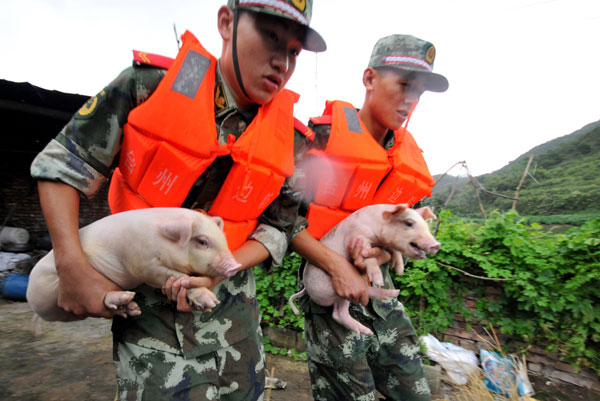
column 360, row 329
column 133, row 309
column 202, row 299
column 118, row 301
column 398, row 267
column 376, row 279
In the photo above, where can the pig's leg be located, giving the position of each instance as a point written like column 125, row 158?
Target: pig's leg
column 373, row 271
column 398, row 262
column 155, row 275
column 202, row 298
column 342, row 316
column 121, row 303
column 42, row 291
column 382, row 293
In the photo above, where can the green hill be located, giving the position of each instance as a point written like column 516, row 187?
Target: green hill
column 564, row 179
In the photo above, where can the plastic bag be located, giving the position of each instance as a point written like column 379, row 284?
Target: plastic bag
column 458, row 362
column 501, row 374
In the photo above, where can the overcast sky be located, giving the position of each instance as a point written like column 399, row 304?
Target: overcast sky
column 521, row 72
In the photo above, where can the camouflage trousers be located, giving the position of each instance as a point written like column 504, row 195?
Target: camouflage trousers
column 234, row 373
column 344, row 365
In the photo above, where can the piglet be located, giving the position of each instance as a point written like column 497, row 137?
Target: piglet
column 397, row 228
column 141, row 246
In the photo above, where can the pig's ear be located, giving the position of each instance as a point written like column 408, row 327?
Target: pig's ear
column 179, row 231
column 398, row 209
column 218, row 220
column 426, row 213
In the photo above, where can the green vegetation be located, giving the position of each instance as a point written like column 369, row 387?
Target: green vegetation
column 273, row 291
column 566, row 181
column 552, row 299
column 548, row 251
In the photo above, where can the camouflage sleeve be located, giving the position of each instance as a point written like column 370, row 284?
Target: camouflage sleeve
column 321, row 135
column 278, row 222
column 84, row 152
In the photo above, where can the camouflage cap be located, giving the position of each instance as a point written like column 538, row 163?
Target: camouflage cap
column 299, row 11
column 407, row 53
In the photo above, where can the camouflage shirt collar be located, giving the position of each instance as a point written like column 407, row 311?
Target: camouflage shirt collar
column 389, row 140
column 224, row 101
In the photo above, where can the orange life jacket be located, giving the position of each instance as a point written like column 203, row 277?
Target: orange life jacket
column 171, row 138
column 355, row 171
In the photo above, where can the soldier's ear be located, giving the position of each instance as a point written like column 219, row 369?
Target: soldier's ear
column 225, row 23
column 369, row 76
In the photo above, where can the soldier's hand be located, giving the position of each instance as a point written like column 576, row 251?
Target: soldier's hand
column 349, row 284
column 176, row 289
column 81, row 291
column 358, row 253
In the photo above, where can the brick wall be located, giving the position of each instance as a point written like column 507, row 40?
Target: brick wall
column 19, row 201
column 539, row 362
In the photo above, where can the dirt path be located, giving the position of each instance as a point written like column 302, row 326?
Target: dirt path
column 73, row 361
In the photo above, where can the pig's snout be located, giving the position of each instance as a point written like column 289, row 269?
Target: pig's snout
column 228, row 265
column 433, row 248
column 422, row 248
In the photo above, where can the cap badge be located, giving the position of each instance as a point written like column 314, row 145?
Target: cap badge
column 300, row 4
column 430, row 55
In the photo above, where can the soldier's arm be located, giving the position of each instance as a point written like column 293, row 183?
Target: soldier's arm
column 77, row 163
column 81, row 289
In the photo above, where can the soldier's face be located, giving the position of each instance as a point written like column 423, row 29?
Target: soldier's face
column 394, row 94
column 267, row 48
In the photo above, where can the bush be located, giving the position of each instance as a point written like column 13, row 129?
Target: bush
column 273, row 291
column 552, row 299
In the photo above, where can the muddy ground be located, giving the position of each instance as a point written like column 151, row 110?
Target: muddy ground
column 73, row 361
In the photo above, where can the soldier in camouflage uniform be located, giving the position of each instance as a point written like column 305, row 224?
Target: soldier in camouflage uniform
column 171, row 352
column 345, row 365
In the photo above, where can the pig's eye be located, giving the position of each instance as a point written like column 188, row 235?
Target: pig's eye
column 202, row 241
column 409, row 223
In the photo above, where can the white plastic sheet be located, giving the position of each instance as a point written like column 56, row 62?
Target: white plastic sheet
column 458, row 362
column 10, row 261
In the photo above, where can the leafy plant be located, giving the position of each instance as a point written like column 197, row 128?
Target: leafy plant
column 550, row 297
column 291, row 352
column 273, row 289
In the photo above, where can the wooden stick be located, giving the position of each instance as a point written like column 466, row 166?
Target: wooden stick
column 514, row 205
column 268, row 393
